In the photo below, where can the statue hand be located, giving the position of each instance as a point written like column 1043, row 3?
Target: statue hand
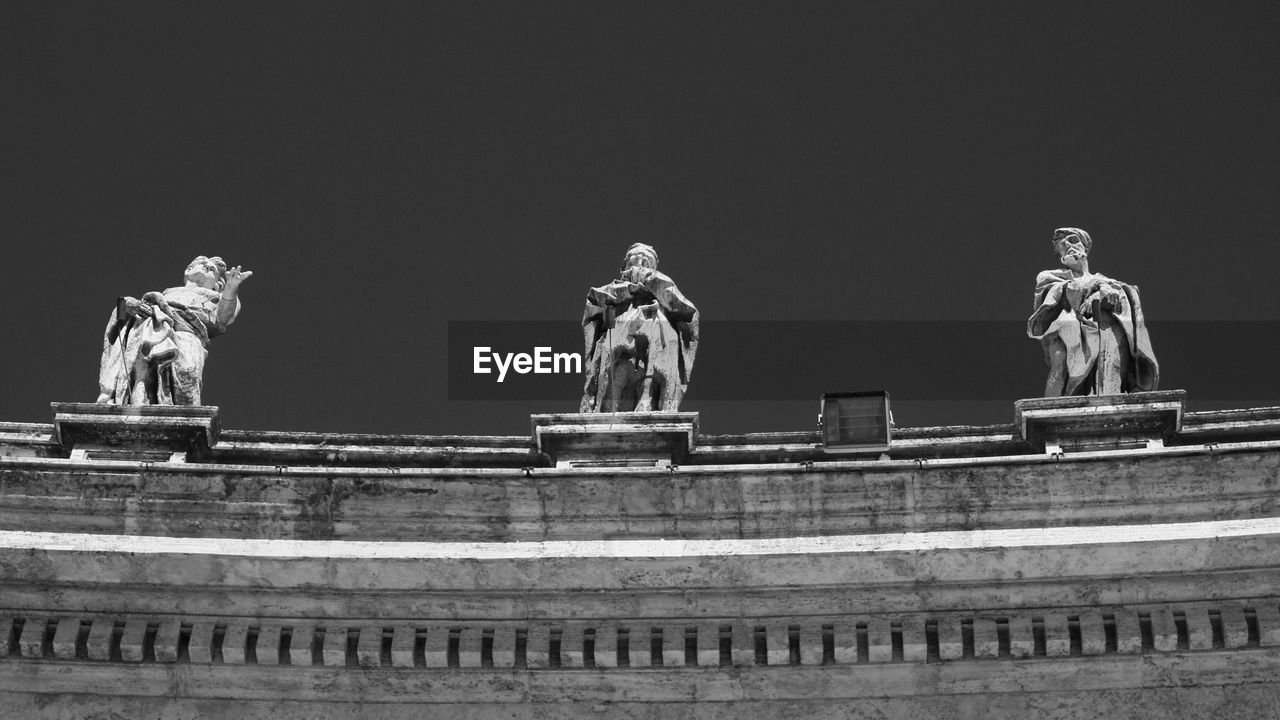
column 1113, row 299
column 235, row 276
column 638, row 274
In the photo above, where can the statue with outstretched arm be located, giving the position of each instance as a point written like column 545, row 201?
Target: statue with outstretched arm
column 154, row 347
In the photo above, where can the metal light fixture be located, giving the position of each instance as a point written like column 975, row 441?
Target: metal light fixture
column 856, row 422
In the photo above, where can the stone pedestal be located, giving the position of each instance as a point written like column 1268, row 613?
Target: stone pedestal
column 156, row 433
column 1100, row 422
column 635, row 439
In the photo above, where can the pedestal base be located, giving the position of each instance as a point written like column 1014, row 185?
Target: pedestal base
column 634, row 439
column 157, row 433
column 1100, row 422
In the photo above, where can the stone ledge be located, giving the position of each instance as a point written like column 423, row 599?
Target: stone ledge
column 136, row 432
column 615, row 439
column 1092, row 422
column 326, row 450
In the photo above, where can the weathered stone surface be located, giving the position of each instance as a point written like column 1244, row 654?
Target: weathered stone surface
column 1092, row 423
column 153, row 350
column 1093, row 634
column 334, row 651
column 1199, row 629
column 915, row 645
column 640, row 646
column 673, row 645
column 64, row 638
column 572, row 653
column 845, row 636
column 6, row 635
column 212, row 501
column 708, row 645
column 1268, row 617
column 90, row 431
column 581, row 440
column 986, row 644
column 743, row 646
column 811, row 643
column 777, row 644
column 537, row 649
column 436, row 652
column 403, row 641
column 1057, row 635
column 200, row 645
column 1164, row 631
column 606, row 647
column 841, row 698
column 31, row 641
column 1022, row 641
column 100, row 636
column 1235, row 629
column 301, row 641
column 1092, row 328
column 879, row 640
column 1128, row 631
column 774, row 573
column 235, row 643
column 167, row 636
column 266, row 647
column 471, row 643
column 786, row 574
column 131, row 642
column 369, row 646
column 504, row 647
column 950, row 639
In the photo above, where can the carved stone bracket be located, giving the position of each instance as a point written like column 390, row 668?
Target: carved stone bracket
column 635, row 439
column 641, row 644
column 159, row 433
column 1100, row 422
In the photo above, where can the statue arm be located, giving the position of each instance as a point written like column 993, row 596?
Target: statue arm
column 673, row 302
column 226, row 312
column 1049, row 302
column 592, row 320
column 228, row 304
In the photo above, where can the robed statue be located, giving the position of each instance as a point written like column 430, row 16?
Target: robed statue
column 641, row 337
column 154, row 347
column 1091, row 326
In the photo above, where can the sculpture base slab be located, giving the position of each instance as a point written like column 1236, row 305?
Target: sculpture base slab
column 1100, row 422
column 634, row 439
column 174, row 433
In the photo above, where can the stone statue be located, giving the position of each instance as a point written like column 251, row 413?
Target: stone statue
column 641, row 338
column 1095, row 340
column 154, row 348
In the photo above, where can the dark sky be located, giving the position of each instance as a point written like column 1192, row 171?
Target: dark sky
column 385, row 168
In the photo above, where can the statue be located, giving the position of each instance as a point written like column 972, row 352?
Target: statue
column 1095, row 340
column 154, row 348
column 641, row 338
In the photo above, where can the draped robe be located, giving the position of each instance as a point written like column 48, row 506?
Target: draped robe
column 154, row 349
column 641, row 337
column 1107, row 350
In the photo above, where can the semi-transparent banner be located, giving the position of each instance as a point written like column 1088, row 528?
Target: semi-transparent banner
column 913, row 360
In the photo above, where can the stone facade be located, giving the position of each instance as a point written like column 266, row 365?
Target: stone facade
column 159, row 566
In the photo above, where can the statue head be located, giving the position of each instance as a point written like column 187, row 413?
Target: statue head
column 641, row 255
column 206, row 272
column 1072, row 246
